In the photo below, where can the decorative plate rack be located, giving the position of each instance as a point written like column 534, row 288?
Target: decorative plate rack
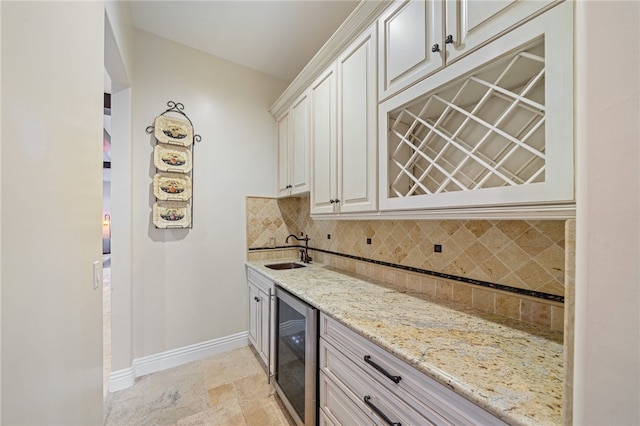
column 173, row 159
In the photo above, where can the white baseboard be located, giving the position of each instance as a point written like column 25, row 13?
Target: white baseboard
column 122, row 379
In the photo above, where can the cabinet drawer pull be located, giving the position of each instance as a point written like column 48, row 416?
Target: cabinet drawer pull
column 395, row 379
column 367, row 400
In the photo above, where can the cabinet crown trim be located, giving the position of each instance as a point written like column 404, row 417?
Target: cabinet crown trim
column 356, row 23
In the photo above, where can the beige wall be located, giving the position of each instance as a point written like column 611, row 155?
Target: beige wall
column 52, row 78
column 569, row 321
column 189, row 285
column 607, row 331
column 0, row 218
column 121, row 232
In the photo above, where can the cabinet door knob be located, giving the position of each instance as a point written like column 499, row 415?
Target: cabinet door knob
column 337, row 201
column 332, row 201
column 257, row 299
column 449, row 39
column 435, row 48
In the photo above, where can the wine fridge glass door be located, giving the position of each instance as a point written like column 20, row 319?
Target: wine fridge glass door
column 296, row 357
column 291, row 355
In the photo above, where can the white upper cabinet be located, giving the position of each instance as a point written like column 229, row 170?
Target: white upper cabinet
column 408, row 30
column 419, row 37
column 343, row 126
column 299, row 157
column 470, row 24
column 283, row 167
column 323, row 142
column 494, row 129
column 293, row 148
column 470, row 103
column 357, row 130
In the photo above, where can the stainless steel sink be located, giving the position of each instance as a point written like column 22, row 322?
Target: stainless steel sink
column 286, row 265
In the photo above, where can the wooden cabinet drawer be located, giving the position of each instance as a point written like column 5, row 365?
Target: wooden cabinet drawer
column 420, row 395
column 259, row 280
column 336, row 408
column 358, row 386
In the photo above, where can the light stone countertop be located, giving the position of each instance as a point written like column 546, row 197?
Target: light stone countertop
column 510, row 369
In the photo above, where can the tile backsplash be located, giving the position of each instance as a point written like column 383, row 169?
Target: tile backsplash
column 271, row 220
column 528, row 255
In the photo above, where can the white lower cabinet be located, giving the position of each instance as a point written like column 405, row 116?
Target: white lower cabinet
column 260, row 315
column 360, row 383
column 336, row 408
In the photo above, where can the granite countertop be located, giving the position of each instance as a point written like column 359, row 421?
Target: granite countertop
column 510, row 369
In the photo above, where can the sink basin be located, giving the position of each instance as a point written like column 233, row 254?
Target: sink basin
column 286, row 265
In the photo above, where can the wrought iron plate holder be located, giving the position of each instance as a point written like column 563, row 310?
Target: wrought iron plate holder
column 178, row 108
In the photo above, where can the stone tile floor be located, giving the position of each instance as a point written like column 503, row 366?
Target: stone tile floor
column 226, row 389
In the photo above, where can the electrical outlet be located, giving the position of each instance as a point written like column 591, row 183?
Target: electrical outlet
column 272, row 242
column 328, row 236
column 437, row 248
column 368, row 240
column 97, row 274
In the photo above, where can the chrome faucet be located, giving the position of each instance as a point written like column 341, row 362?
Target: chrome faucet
column 304, row 253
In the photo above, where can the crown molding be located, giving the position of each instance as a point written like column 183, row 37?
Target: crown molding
column 356, row 23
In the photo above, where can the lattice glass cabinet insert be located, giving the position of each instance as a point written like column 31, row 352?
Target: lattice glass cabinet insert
column 483, row 131
column 501, row 127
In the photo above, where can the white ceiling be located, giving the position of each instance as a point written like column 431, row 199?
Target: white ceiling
column 277, row 38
